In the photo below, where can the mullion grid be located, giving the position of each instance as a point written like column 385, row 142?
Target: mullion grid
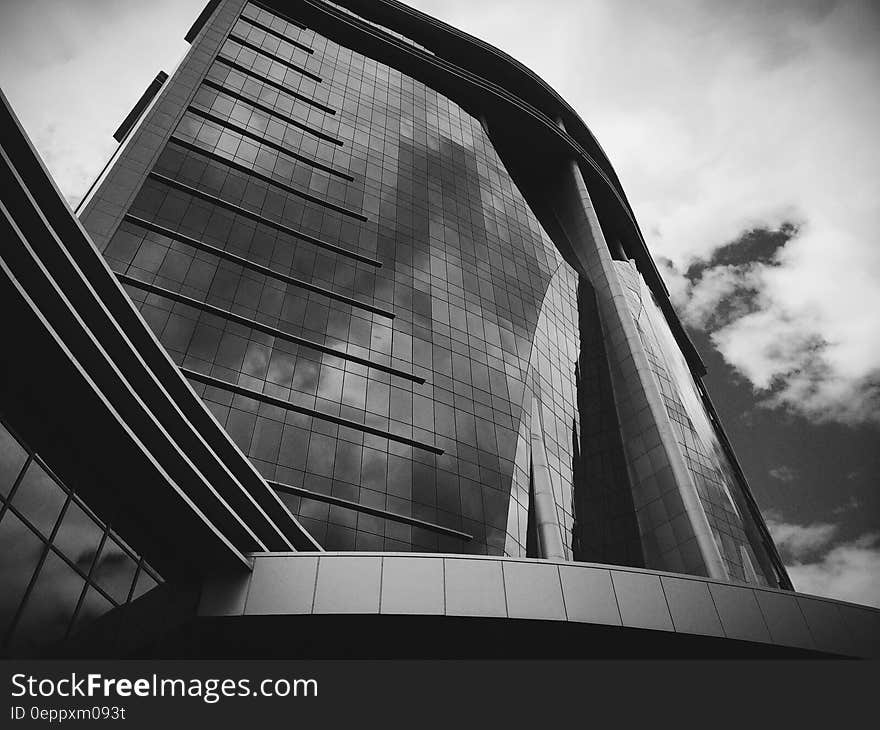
column 48, row 545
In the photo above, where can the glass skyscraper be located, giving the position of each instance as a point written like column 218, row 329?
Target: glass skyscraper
column 403, row 279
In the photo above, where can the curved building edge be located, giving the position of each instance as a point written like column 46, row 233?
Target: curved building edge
column 376, row 605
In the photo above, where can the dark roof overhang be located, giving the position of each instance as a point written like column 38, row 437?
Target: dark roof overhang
column 89, row 386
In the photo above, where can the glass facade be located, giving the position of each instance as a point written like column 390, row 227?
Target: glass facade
column 429, row 301
column 341, row 263
column 605, row 529
column 716, row 482
column 60, row 565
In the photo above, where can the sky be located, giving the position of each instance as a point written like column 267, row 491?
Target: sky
column 745, row 136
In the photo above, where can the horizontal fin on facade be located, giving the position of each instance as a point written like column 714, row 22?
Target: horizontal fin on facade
column 138, row 109
column 253, row 266
column 281, row 87
column 267, row 179
column 248, row 393
column 374, row 511
column 262, row 6
column 272, row 112
column 257, row 217
column 277, row 33
column 264, row 328
column 228, row 124
column 292, row 66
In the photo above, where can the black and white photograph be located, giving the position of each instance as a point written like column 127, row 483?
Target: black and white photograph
column 413, row 336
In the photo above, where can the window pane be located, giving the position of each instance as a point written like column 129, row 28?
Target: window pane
column 78, row 536
column 115, row 571
column 12, row 458
column 93, row 606
column 20, row 550
column 50, row 605
column 39, row 498
column 145, row 583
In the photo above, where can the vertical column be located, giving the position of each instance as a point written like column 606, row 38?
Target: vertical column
column 550, row 544
column 675, row 531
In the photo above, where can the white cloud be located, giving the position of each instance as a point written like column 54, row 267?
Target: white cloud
column 848, row 572
column 851, row 504
column 784, row 473
column 73, row 71
column 816, row 564
column 811, row 344
column 791, row 142
column 794, row 141
column 799, row 541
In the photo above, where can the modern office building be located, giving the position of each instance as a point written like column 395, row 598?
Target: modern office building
column 355, row 348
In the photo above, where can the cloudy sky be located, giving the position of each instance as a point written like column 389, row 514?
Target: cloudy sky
column 745, row 135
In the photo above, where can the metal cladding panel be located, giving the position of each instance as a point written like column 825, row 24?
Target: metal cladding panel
column 410, row 585
column 348, row 585
column 785, row 621
column 277, row 586
column 693, row 608
column 533, row 592
column 740, row 615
